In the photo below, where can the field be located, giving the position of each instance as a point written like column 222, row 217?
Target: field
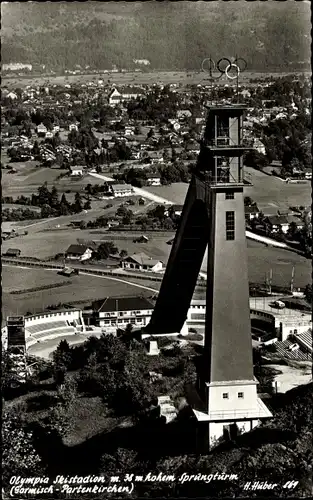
column 165, row 77
column 83, row 287
column 30, row 176
column 269, row 192
column 47, row 243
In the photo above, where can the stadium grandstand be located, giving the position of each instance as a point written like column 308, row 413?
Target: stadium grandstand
column 305, row 340
column 296, row 347
column 49, row 325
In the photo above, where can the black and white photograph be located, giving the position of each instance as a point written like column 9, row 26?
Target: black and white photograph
column 156, row 328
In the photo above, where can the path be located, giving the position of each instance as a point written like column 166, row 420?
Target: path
column 290, row 377
column 137, row 191
column 40, row 222
column 93, row 275
column 164, row 201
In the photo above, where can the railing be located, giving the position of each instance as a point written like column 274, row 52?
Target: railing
column 234, row 414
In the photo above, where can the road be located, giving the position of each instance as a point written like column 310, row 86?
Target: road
column 290, row 377
column 164, row 201
column 138, row 191
column 25, row 266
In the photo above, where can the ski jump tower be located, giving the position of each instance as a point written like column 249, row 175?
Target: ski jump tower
column 225, row 400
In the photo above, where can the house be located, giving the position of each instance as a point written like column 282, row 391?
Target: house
column 42, row 130
column 193, row 147
column 116, row 312
column 174, row 210
column 78, row 252
column 113, row 223
column 251, row 212
column 200, row 120
column 13, row 252
column 7, row 230
column 284, row 221
column 141, row 239
column 141, row 262
column 77, row 170
column 120, row 190
column 259, row 146
column 73, row 126
column 12, row 96
column 183, row 113
column 154, row 180
column 124, row 94
column 175, row 124
column 129, row 131
column 155, row 156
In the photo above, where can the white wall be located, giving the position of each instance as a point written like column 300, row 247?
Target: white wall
column 289, row 328
column 216, row 430
column 216, row 403
column 47, row 317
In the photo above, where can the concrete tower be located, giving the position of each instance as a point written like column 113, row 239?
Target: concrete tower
column 213, row 216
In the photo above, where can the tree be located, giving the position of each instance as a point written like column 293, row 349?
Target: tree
column 43, row 195
column 103, row 251
column 88, row 189
column 255, row 160
column 248, row 201
column 77, row 205
column 64, row 200
column 123, row 461
column 54, row 197
column 292, row 230
column 150, row 133
column 128, row 328
column 127, row 217
column 36, row 149
column 46, row 211
column 62, row 359
column 123, row 253
column 308, row 293
column 60, row 417
column 19, row 457
column 87, row 205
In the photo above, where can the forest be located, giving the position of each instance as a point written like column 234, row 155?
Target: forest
column 99, row 36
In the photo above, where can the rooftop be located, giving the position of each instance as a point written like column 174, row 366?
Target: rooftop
column 110, row 304
column 77, row 249
column 122, row 187
column 142, row 259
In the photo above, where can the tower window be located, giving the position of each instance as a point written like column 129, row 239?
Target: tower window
column 225, row 395
column 222, row 129
column 230, row 195
column 240, row 395
column 230, row 226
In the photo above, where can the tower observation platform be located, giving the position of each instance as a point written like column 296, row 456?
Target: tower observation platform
column 213, row 217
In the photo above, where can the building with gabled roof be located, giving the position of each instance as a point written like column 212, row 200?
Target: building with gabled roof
column 141, row 262
column 117, row 312
column 124, row 94
column 78, row 252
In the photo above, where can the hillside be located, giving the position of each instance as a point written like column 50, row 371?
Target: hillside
column 170, row 35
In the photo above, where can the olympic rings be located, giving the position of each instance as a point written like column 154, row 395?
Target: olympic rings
column 211, row 64
column 229, row 68
column 223, row 66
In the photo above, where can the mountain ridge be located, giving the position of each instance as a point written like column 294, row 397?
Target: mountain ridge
column 169, row 35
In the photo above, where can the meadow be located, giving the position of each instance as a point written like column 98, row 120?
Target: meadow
column 30, row 176
column 269, row 192
column 165, row 77
column 83, row 287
